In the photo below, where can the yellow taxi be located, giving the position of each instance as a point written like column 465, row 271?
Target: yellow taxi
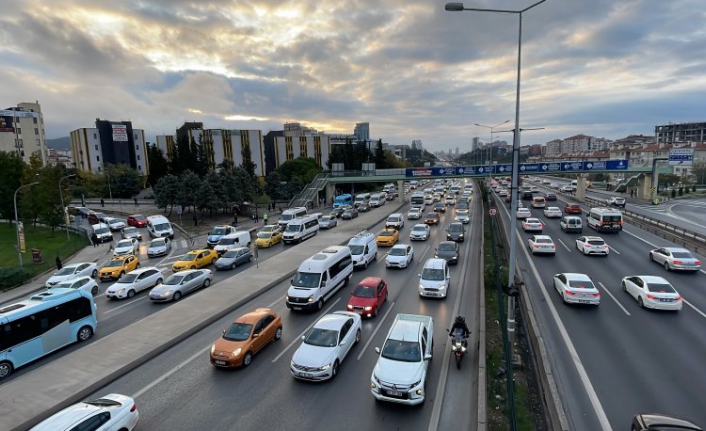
column 195, row 259
column 388, row 237
column 118, row 266
column 268, row 239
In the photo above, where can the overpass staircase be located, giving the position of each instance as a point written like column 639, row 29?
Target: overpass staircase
column 632, row 181
column 310, row 193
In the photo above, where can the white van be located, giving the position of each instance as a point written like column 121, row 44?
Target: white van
column 434, row 279
column 319, row 277
column 377, row 200
column 102, row 232
column 232, row 240
column 301, row 228
column 605, row 220
column 395, row 220
column 574, row 185
column 361, row 198
column 364, row 249
column 159, row 227
column 290, row 214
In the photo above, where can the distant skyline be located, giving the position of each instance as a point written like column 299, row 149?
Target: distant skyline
column 412, row 70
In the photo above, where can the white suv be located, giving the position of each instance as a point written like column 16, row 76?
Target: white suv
column 434, row 279
column 395, row 220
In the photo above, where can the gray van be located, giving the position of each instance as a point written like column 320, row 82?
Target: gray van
column 571, row 224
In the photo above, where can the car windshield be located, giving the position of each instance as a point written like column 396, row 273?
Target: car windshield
column 129, row 230
column 306, row 279
column 433, row 274
column 189, row 257
column 292, row 228
column 364, row 291
column 431, row 215
column 268, row 228
column 406, row 351
column 230, row 254
column 118, row 221
column 161, row 227
column 462, row 212
column 581, row 284
column 385, row 233
column 447, row 246
column 139, row 217
column 455, row 228
column 660, row 287
column 65, row 284
column 612, row 218
column 229, row 241
column 124, row 243
column 238, row 332
column 356, row 249
column 114, row 263
column 264, row 235
column 101, row 230
column 218, row 231
column 103, row 402
column 398, row 251
column 326, row 218
column 595, row 242
column 322, row 337
column 543, row 240
column 393, row 219
column 128, row 278
column 174, row 280
column 69, row 270
column 419, row 229
column 682, row 255
column 158, row 243
column 348, row 212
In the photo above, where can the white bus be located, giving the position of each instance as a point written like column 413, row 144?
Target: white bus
column 605, row 220
column 417, row 200
column 319, row 277
column 42, row 324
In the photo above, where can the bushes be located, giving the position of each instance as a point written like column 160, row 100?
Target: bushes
column 11, row 277
column 674, row 193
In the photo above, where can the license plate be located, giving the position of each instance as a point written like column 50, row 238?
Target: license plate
column 305, row 375
column 665, row 300
column 296, row 308
column 394, row 393
column 219, row 362
column 584, row 301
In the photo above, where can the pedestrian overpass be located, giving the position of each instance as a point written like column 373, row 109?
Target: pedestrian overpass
column 327, row 180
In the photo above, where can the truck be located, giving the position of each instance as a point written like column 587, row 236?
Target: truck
column 400, row 374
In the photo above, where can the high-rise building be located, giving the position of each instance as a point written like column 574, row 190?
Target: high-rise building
column 110, row 142
column 362, row 131
column 683, row 132
column 22, row 131
column 475, row 143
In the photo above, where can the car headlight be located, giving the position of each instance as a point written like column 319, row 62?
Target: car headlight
column 325, row 367
column 120, row 291
column 237, row 351
column 167, row 293
column 310, row 298
column 213, row 348
column 368, row 308
column 350, row 307
column 360, row 259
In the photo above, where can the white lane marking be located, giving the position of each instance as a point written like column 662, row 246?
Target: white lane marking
column 281, row 298
column 183, row 243
column 692, row 306
column 165, row 376
column 590, row 391
column 379, row 325
column 614, row 298
column 613, row 249
column 562, row 243
column 124, row 305
column 299, row 338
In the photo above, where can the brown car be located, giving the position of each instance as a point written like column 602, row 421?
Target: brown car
column 573, row 209
column 246, row 336
column 431, row 218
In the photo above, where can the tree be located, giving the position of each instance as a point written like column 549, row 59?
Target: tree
column 276, row 187
column 182, row 158
column 667, row 180
column 51, row 209
column 166, row 191
column 698, row 171
column 391, row 161
column 11, row 174
column 246, row 183
column 123, row 181
column 204, row 196
column 302, row 167
column 189, row 183
column 158, row 164
column 248, row 164
column 380, row 162
column 200, row 163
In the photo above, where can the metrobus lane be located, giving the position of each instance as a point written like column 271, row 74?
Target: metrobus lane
column 180, row 389
column 618, row 345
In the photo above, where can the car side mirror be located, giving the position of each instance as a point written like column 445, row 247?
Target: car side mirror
column 256, row 335
column 303, row 337
column 224, row 332
column 183, row 282
column 427, row 357
column 419, row 275
column 377, row 350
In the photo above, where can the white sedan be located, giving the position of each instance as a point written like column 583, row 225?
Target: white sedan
column 126, row 246
column 675, row 258
column 325, row 346
column 135, row 281
column 420, row 232
column 463, row 216
column 115, row 224
column 553, row 212
column 72, row 271
column 541, row 244
column 592, row 245
column 159, row 247
column 414, row 214
column 399, row 256
column 577, row 289
column 523, row 213
column 110, row 412
column 83, row 282
column 652, row 292
column 532, row 225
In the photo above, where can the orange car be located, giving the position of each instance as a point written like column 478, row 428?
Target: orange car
column 245, row 337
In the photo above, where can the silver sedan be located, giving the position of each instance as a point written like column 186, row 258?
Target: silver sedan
column 181, row 283
column 234, row 257
column 675, row 258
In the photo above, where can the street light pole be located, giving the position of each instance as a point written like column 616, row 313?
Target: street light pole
column 65, row 212
column 17, row 220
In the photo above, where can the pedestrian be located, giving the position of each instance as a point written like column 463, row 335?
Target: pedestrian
column 58, row 264
column 94, row 240
column 102, row 203
column 280, row 208
column 136, row 204
column 257, row 217
column 235, row 218
column 196, row 220
column 273, row 206
column 264, row 219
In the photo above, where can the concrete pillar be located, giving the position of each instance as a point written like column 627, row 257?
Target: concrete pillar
column 581, row 188
column 330, row 188
column 400, row 188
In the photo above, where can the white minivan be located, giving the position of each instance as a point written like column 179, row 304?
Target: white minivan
column 158, row 226
column 236, row 239
column 319, row 277
column 377, row 200
column 301, row 228
column 364, row 249
column 290, row 214
column 434, row 279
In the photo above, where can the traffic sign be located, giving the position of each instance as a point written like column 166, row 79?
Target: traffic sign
column 652, row 190
column 493, row 211
column 525, row 168
column 681, row 156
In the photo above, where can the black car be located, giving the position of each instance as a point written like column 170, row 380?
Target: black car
column 448, row 250
column 527, row 195
column 550, row 196
column 455, row 232
column 657, row 422
column 349, row 214
column 364, row 207
column 337, row 212
column 439, row 207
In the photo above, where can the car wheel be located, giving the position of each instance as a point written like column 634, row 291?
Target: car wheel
column 640, row 302
column 386, row 292
column 232, row 265
column 94, row 291
column 207, row 282
column 247, row 359
column 130, row 293
column 358, row 335
column 652, row 257
column 84, row 333
column 121, row 274
column 94, row 274
column 375, row 313
column 177, row 296
column 137, row 266
column 159, row 281
column 666, row 266
column 213, row 261
column 192, row 267
column 334, row 369
column 278, row 333
column 5, row 369
column 366, row 264
column 320, row 304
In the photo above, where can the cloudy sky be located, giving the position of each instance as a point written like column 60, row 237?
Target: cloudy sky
column 604, row 68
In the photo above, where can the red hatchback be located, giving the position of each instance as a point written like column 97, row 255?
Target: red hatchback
column 137, row 220
column 368, row 296
column 573, row 209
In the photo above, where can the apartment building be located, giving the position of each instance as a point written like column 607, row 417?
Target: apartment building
column 110, row 142
column 22, row 131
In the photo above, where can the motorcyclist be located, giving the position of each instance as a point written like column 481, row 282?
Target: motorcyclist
column 460, row 324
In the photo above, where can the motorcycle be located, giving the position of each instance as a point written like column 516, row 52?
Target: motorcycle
column 459, row 345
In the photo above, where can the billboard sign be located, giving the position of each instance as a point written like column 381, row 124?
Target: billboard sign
column 525, row 168
column 681, row 157
column 6, row 124
column 119, row 133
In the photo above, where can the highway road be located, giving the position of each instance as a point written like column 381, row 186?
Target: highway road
column 616, row 360
column 180, row 390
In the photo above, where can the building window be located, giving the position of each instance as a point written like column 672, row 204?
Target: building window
column 19, row 130
column 36, row 131
column 137, row 147
column 138, row 157
column 98, row 158
column 95, row 136
column 39, row 143
column 34, row 120
column 96, row 147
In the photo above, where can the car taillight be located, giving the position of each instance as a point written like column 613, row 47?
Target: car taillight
column 651, row 297
column 597, row 295
column 535, row 246
column 678, row 298
column 678, row 262
column 698, row 262
column 133, row 408
column 568, row 292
